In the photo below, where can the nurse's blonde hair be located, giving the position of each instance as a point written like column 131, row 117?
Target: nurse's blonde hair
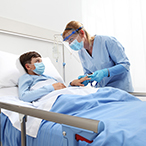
column 75, row 25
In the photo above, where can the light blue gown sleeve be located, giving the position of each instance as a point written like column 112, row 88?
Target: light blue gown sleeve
column 25, row 94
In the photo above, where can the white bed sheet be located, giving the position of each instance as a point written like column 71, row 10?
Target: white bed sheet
column 10, row 95
column 12, row 91
column 45, row 103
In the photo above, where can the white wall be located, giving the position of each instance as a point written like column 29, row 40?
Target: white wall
column 19, row 45
column 50, row 14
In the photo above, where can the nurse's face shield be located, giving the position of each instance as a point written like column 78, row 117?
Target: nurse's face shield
column 72, row 35
column 71, row 38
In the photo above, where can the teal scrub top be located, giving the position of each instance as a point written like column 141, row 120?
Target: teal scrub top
column 107, row 52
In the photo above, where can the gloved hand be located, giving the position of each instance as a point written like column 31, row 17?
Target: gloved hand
column 98, row 75
column 84, row 82
column 81, row 76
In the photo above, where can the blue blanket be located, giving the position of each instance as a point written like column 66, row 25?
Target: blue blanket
column 124, row 117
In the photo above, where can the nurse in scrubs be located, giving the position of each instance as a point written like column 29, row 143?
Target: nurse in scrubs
column 103, row 58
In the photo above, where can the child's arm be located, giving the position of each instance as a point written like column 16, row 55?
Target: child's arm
column 25, row 94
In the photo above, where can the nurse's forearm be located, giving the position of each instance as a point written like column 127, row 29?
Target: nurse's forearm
column 117, row 69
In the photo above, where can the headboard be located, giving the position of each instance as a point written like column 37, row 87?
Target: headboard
column 23, row 29
column 17, row 37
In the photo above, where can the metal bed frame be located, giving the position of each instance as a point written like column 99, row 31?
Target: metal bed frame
column 73, row 128
column 143, row 94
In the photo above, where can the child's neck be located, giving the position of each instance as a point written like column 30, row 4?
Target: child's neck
column 31, row 72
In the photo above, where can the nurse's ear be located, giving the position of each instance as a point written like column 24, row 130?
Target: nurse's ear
column 82, row 33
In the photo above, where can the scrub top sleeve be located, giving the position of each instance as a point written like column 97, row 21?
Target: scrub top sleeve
column 117, row 69
column 117, row 52
column 86, row 72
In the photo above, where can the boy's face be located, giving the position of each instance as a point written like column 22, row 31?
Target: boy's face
column 31, row 67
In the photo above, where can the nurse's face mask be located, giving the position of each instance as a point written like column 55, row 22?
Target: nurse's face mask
column 73, row 38
column 75, row 45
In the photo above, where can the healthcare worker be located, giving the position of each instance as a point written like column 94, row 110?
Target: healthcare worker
column 103, row 58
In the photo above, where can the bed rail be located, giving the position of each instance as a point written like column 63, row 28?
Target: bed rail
column 83, row 123
column 138, row 93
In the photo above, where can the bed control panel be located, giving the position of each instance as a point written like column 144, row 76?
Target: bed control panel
column 78, row 137
column 72, row 135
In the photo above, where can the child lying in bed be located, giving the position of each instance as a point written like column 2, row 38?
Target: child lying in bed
column 34, row 67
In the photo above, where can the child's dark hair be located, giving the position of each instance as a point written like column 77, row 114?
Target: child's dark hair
column 26, row 58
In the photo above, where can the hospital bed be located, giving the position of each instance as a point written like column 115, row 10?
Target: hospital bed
column 87, row 124
column 111, row 126
column 81, row 122
column 20, row 30
column 9, row 95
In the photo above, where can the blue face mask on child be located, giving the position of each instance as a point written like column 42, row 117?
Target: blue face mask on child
column 75, row 45
column 39, row 68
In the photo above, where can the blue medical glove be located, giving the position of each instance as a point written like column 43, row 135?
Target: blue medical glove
column 82, row 76
column 84, row 82
column 99, row 75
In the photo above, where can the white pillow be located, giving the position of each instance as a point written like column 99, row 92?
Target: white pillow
column 11, row 69
column 50, row 70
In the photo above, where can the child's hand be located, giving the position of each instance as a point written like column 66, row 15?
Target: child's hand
column 58, row 86
column 80, row 82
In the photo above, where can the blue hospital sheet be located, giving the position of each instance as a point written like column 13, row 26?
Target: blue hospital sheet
column 124, row 117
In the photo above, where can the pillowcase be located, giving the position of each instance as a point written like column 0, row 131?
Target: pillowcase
column 11, row 69
column 50, row 70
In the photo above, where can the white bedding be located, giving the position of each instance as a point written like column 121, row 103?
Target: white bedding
column 45, row 103
column 12, row 91
column 10, row 95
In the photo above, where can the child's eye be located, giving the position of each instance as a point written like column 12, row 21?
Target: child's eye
column 38, row 60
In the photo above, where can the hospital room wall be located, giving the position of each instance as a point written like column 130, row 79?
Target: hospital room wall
column 49, row 14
